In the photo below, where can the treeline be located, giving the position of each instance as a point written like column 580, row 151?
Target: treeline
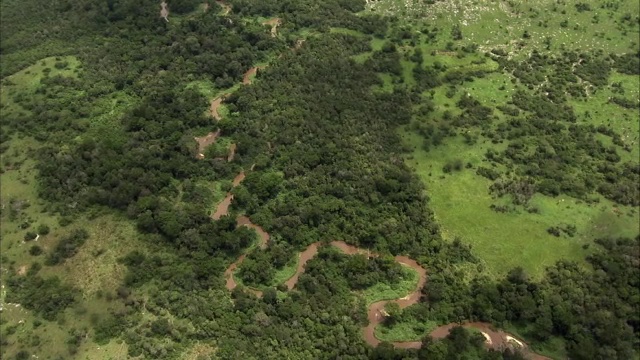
column 594, row 310
column 315, row 15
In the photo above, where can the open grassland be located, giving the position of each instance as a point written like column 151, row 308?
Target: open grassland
column 453, row 37
column 502, row 24
column 461, row 200
column 598, row 110
column 503, row 241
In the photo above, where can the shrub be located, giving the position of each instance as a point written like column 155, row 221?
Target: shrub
column 35, row 250
column 43, row 229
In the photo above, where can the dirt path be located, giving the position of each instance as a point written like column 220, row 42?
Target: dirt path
column 164, row 12
column 205, row 141
column 215, row 104
column 246, row 79
column 264, row 241
column 275, row 22
column 375, row 312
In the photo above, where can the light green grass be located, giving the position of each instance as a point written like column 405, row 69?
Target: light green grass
column 30, row 77
column 501, row 23
column 339, row 30
column 286, row 272
column 503, row 241
column 205, row 87
column 94, row 268
column 26, row 81
column 625, row 122
column 384, row 291
column 405, row 331
column 461, row 200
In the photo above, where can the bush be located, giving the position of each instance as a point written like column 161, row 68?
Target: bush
column 30, row 235
column 22, row 355
column 455, row 165
column 488, row 173
column 67, row 246
column 46, row 297
column 43, row 229
column 35, row 250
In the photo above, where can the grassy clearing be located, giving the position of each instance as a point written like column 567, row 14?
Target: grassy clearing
column 286, row 272
column 26, row 81
column 339, row 30
column 48, row 340
column 205, row 87
column 384, row 291
column 405, row 331
column 95, row 267
column 505, row 240
column 30, row 77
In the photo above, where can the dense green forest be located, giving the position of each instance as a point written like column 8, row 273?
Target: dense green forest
column 109, row 249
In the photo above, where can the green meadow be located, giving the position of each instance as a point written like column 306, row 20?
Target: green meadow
column 503, row 241
column 461, row 200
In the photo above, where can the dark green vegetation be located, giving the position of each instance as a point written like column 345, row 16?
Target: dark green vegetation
column 106, row 121
column 569, row 302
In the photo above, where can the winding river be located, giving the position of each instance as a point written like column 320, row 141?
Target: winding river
column 494, row 339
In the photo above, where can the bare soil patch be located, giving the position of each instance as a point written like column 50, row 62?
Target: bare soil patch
column 205, row 141
column 275, row 22
column 164, row 12
column 22, row 270
column 215, row 104
column 246, row 79
column 232, row 152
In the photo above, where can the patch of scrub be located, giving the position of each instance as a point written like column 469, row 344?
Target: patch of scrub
column 26, row 81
